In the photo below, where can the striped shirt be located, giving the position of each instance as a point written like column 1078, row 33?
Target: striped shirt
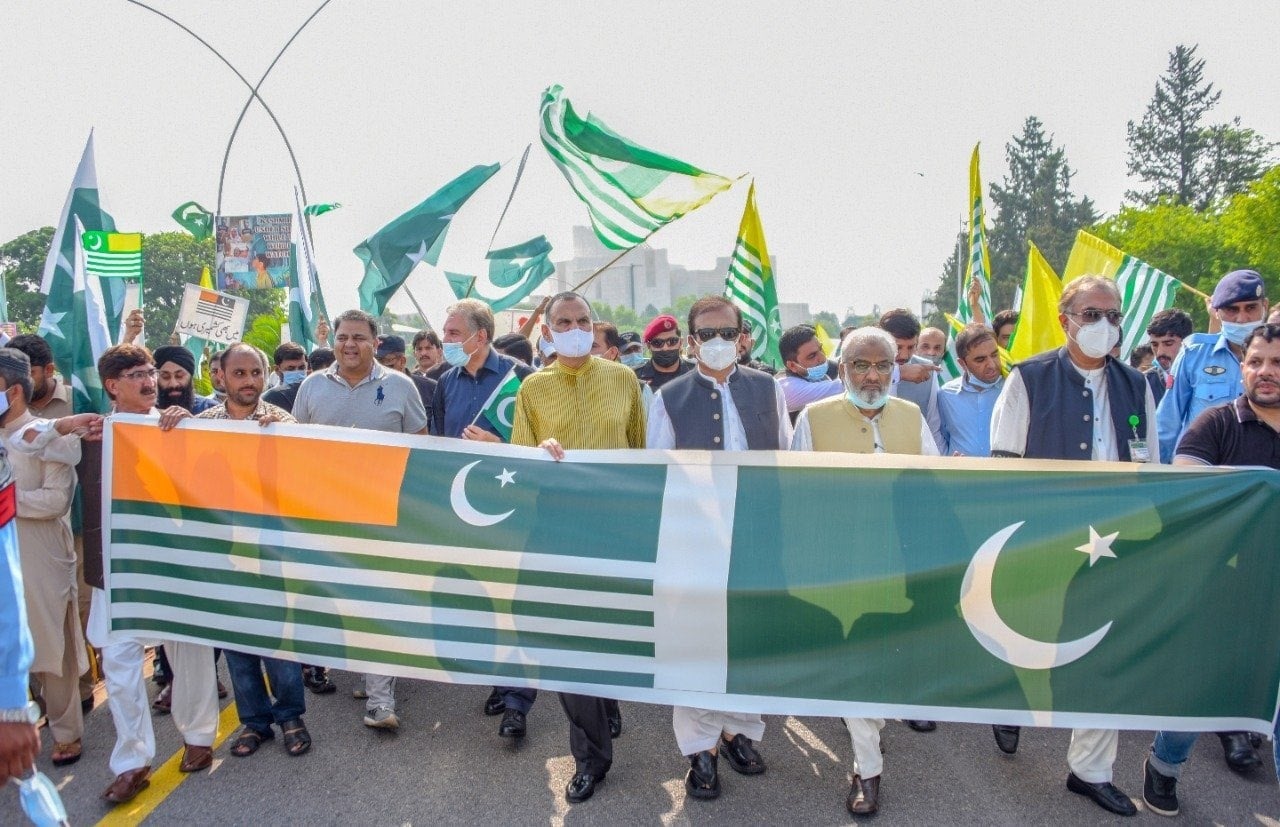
column 595, row 406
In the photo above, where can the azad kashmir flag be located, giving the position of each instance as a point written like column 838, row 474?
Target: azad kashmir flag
column 306, row 302
column 1038, row 593
column 113, row 255
column 1144, row 290
column 630, row 190
column 979, row 265
column 751, row 286
column 390, row 254
column 1038, row 328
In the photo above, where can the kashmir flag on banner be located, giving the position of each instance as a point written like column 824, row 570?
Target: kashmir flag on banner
column 1091, row 256
column 499, row 410
column 1144, row 292
column 83, row 204
column 751, row 285
column 979, row 265
column 390, row 254
column 195, row 219
column 1038, row 329
column 113, row 255
column 1031, row 584
column 630, row 190
column 306, row 301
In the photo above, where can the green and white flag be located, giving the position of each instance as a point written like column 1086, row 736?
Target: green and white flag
column 630, row 190
column 500, row 408
column 390, row 254
column 90, row 336
column 320, row 209
column 1032, row 585
column 58, row 321
column 306, row 301
column 512, row 273
column 1144, row 292
column 113, row 255
column 751, row 286
column 195, row 219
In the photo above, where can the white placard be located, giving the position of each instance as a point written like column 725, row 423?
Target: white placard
column 208, row 314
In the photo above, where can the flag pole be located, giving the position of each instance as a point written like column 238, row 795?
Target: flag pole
column 417, row 307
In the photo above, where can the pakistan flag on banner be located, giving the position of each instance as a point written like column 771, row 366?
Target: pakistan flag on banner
column 72, row 350
column 1000, row 600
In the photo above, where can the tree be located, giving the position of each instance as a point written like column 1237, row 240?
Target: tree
column 1034, row 203
column 829, row 322
column 22, row 262
column 1180, row 159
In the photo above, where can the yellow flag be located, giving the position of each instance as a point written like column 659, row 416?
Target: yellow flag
column 1091, row 256
column 205, row 281
column 1038, row 329
column 828, row 346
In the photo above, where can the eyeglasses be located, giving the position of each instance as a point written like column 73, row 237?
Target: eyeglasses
column 1092, row 315
column 861, row 366
column 663, row 344
column 139, row 375
column 706, row 334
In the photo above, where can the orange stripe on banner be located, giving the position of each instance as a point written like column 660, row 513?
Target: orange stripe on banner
column 277, row 476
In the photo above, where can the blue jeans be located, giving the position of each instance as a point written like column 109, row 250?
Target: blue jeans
column 1170, row 751
column 518, row 698
column 254, row 704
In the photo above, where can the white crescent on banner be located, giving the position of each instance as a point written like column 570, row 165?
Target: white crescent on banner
column 996, row 636
column 463, row 508
column 94, row 242
column 504, row 412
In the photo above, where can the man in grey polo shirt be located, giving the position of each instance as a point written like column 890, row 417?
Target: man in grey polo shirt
column 357, row 392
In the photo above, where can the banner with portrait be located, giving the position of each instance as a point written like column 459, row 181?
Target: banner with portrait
column 253, row 251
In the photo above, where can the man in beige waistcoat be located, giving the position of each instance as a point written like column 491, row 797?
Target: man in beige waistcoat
column 865, row 420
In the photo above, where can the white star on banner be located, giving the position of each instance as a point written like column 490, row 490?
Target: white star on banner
column 510, row 477
column 1098, row 545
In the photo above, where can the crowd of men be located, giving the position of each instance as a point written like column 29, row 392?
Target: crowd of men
column 1204, row 399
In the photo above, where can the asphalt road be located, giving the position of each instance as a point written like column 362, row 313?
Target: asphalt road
column 446, row 764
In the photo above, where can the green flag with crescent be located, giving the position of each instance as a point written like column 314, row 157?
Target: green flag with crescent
column 195, row 219
column 500, row 409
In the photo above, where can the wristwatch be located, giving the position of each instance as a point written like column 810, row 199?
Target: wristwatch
column 28, row 714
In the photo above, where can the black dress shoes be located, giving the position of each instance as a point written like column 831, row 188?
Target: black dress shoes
column 614, row 714
column 1006, row 737
column 1239, row 751
column 581, row 787
column 494, row 705
column 512, row 725
column 864, row 796
column 741, row 754
column 703, row 780
column 1106, row 795
column 923, row 726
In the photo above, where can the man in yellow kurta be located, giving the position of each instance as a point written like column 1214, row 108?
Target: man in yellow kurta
column 44, row 492
column 580, row 401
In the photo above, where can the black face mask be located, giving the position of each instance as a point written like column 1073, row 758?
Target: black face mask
column 666, row 358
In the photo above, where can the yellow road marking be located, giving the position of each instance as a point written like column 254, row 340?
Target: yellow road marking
column 164, row 780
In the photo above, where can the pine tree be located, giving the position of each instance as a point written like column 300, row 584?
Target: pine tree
column 1176, row 156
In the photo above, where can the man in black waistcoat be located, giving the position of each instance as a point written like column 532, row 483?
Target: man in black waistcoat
column 719, row 406
column 1079, row 403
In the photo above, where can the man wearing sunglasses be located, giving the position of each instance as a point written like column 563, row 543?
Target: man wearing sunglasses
column 1206, row 372
column 1079, row 403
column 719, row 406
column 662, row 336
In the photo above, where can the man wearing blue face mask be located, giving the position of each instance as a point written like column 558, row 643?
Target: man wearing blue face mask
column 1207, row 371
column 967, row 401
column 807, row 377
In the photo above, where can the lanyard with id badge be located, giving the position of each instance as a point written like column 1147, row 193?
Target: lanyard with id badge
column 1138, row 449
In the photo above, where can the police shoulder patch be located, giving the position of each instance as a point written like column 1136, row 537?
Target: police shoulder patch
column 1215, row 370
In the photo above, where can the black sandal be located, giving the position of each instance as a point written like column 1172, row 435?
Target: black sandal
column 296, row 738
column 248, row 741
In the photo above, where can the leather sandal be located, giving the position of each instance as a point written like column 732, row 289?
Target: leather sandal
column 66, row 754
column 296, row 738
column 248, row 741
column 195, row 758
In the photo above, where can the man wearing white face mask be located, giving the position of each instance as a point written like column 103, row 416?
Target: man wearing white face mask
column 1079, row 403
column 865, row 419
column 1206, row 372
column 580, row 401
column 719, row 406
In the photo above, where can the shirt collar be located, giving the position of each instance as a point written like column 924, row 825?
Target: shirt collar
column 1244, row 413
column 376, row 372
column 561, row 367
column 713, row 381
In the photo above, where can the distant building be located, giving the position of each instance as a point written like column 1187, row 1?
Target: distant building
column 643, row 278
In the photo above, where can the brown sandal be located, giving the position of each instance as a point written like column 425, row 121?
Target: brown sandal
column 65, row 754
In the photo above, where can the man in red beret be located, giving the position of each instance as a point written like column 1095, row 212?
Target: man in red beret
column 662, row 336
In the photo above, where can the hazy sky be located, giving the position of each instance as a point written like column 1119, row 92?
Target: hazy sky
column 856, row 119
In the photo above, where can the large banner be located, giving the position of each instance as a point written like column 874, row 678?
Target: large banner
column 253, row 251
column 1020, row 592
